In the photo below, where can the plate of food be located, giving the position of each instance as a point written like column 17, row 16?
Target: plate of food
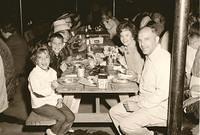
column 67, row 80
column 119, row 80
column 125, row 76
column 85, row 81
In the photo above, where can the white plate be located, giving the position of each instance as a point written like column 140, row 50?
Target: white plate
column 84, row 81
column 118, row 80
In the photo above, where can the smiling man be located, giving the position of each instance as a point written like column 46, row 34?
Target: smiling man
column 150, row 106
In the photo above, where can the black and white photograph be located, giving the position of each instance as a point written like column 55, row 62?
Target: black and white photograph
column 99, row 67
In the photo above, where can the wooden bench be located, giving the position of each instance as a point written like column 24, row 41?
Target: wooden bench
column 38, row 120
column 35, row 119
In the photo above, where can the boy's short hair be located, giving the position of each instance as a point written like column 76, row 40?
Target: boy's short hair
column 129, row 26
column 39, row 48
column 55, row 35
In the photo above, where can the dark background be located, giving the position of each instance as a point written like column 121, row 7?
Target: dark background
column 48, row 10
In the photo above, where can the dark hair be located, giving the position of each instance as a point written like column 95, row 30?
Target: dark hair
column 154, row 26
column 194, row 29
column 8, row 27
column 158, row 15
column 55, row 35
column 39, row 48
column 107, row 12
column 129, row 26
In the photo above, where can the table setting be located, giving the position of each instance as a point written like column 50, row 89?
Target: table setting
column 100, row 70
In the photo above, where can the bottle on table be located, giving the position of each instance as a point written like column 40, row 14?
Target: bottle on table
column 103, row 78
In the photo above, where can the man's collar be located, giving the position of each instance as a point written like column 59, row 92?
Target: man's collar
column 153, row 55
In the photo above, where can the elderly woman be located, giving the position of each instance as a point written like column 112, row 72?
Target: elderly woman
column 17, row 45
column 3, row 92
column 9, row 69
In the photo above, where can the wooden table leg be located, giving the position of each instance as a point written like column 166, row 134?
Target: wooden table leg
column 72, row 102
column 67, row 100
column 97, row 103
column 123, row 97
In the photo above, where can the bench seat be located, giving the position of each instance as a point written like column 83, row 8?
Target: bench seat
column 35, row 119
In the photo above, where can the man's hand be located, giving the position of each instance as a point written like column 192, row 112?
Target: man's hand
column 131, row 106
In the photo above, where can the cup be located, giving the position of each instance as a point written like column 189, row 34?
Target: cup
column 102, row 81
column 81, row 72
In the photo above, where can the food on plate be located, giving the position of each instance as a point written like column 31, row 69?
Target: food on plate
column 67, row 80
column 119, row 80
column 125, row 76
column 85, row 82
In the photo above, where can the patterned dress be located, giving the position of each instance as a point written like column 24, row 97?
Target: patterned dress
column 9, row 69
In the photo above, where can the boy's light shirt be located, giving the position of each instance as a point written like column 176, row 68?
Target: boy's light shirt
column 40, row 83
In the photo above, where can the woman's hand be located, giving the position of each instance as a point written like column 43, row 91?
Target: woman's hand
column 131, row 106
column 122, row 61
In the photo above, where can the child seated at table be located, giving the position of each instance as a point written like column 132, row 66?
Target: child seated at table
column 59, row 53
column 45, row 101
column 60, row 56
column 70, row 40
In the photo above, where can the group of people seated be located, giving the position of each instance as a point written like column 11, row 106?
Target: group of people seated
column 138, row 56
column 144, row 53
column 192, row 73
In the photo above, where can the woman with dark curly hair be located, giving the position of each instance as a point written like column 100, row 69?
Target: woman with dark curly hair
column 132, row 58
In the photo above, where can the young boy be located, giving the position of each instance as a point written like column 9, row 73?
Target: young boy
column 45, row 101
column 60, row 56
column 58, row 53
